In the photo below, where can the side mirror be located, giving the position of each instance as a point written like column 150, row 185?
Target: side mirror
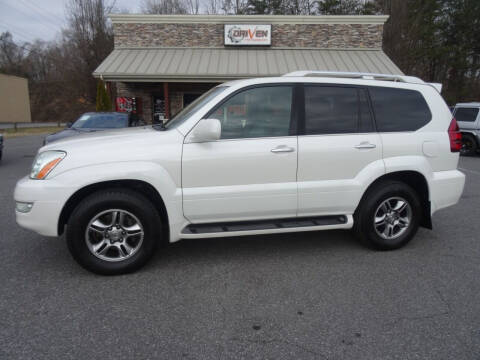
column 206, row 130
column 68, row 125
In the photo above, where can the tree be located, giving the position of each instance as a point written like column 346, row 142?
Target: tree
column 174, row 7
column 340, row 7
column 89, row 38
column 213, row 7
column 11, row 56
column 103, row 100
column 235, row 7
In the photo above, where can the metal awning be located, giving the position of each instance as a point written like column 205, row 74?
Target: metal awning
column 222, row 64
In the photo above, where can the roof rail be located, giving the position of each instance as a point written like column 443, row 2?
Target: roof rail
column 357, row 75
column 365, row 76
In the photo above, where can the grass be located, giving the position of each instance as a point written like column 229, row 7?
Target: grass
column 11, row 133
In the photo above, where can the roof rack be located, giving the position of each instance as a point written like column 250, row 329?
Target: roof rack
column 364, row 76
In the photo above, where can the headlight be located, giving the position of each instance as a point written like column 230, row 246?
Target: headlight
column 45, row 162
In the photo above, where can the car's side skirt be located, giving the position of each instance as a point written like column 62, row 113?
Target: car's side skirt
column 267, row 226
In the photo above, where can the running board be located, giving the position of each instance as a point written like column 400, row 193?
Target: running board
column 267, row 226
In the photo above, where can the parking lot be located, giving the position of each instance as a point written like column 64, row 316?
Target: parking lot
column 317, row 295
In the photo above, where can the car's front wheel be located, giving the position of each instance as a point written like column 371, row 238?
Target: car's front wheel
column 389, row 216
column 113, row 232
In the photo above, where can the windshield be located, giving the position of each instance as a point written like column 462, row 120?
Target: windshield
column 188, row 111
column 101, row 121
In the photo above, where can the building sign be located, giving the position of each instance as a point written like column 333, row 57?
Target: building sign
column 128, row 104
column 236, row 34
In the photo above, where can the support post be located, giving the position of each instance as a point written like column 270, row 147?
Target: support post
column 167, row 100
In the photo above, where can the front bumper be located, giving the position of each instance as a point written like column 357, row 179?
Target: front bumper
column 48, row 198
column 446, row 188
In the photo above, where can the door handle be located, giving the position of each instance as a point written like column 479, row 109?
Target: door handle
column 365, row 145
column 282, row 149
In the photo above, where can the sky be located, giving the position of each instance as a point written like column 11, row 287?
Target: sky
column 28, row 20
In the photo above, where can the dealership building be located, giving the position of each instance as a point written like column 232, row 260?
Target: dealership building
column 161, row 63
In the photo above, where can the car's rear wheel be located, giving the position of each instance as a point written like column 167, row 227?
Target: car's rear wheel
column 469, row 145
column 113, row 232
column 389, row 216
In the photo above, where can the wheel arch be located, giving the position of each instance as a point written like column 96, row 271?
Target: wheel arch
column 140, row 186
column 417, row 182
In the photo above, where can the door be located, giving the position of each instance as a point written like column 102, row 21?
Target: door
column 250, row 173
column 338, row 150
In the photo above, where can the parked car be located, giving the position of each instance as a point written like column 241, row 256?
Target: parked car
column 1, row 146
column 468, row 118
column 303, row 152
column 95, row 121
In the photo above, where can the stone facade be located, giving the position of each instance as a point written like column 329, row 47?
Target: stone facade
column 283, row 35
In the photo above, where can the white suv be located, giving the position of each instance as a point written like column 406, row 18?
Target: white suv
column 303, row 152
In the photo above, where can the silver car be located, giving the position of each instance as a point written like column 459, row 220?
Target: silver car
column 468, row 119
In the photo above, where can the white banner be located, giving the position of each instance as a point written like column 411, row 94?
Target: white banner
column 236, row 34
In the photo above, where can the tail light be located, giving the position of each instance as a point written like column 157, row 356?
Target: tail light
column 455, row 136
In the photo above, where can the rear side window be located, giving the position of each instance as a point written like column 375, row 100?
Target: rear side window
column 399, row 109
column 466, row 114
column 336, row 110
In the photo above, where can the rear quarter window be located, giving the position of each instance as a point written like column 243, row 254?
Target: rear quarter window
column 399, row 109
column 466, row 114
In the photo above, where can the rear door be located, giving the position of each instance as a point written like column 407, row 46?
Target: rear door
column 338, row 149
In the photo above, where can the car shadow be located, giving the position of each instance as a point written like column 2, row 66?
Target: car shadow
column 48, row 254
column 256, row 247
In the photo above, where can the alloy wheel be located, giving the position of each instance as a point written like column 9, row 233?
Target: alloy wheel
column 114, row 235
column 392, row 218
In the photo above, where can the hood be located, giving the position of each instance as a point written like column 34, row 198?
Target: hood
column 70, row 138
column 115, row 145
column 120, row 145
column 105, row 138
column 62, row 135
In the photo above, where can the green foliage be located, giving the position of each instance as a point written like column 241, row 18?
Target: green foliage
column 103, row 100
column 438, row 41
column 340, row 7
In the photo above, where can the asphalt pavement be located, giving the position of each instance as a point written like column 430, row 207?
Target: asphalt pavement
column 314, row 295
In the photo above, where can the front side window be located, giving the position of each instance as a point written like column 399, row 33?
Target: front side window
column 256, row 112
column 399, row 109
column 336, row 110
column 466, row 114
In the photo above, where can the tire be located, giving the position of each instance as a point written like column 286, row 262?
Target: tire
column 372, row 209
column 119, row 249
column 469, row 145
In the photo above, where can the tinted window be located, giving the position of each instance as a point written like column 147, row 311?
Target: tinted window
column 101, row 121
column 256, row 112
column 466, row 114
column 336, row 110
column 399, row 109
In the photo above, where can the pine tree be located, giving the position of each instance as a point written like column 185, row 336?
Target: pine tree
column 103, row 99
